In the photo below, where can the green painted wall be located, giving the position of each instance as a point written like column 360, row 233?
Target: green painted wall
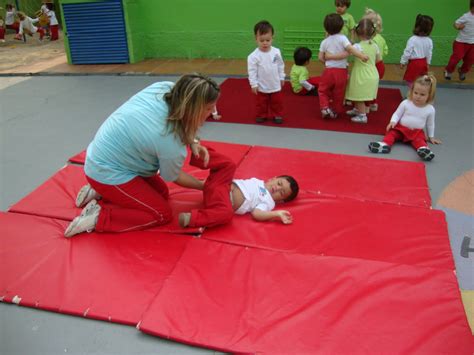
column 224, row 28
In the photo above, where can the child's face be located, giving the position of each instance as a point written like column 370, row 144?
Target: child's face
column 420, row 95
column 264, row 41
column 279, row 188
column 341, row 9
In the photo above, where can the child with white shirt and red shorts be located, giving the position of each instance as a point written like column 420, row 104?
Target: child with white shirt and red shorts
column 410, row 119
column 419, row 50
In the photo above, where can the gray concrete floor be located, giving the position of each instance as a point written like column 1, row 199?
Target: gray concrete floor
column 45, row 120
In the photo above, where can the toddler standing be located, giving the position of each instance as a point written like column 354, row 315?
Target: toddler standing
column 410, row 118
column 364, row 80
column 383, row 48
column 349, row 23
column 463, row 46
column 333, row 53
column 301, row 83
column 419, row 50
column 266, row 71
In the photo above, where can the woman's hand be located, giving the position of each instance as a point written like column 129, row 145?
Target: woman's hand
column 201, row 152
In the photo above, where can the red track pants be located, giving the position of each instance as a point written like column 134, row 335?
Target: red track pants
column 333, row 86
column 217, row 204
column 138, row 204
column 269, row 105
column 464, row 51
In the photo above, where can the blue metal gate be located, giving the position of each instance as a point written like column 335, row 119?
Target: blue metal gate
column 96, row 32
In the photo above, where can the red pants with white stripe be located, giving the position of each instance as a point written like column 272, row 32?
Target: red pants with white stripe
column 464, row 51
column 333, row 86
column 269, row 105
column 314, row 80
column 138, row 204
column 217, row 204
column 416, row 137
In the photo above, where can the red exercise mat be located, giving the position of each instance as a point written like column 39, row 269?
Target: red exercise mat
column 349, row 228
column 237, row 105
column 248, row 300
column 111, row 277
column 340, row 175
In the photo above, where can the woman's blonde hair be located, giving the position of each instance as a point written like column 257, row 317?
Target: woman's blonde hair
column 187, row 101
column 428, row 80
column 375, row 18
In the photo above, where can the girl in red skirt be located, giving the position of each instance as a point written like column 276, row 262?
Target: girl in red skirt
column 419, row 50
column 410, row 119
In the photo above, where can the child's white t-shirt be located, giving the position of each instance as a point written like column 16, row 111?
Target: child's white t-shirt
column 266, row 70
column 52, row 18
column 10, row 17
column 418, row 47
column 255, row 194
column 335, row 44
column 466, row 35
column 414, row 117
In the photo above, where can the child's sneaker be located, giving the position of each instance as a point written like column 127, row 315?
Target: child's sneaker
column 462, row 76
column 184, row 219
column 328, row 113
column 353, row 112
column 86, row 194
column 374, row 107
column 85, row 222
column 425, row 153
column 379, row 147
column 447, row 75
column 278, row 119
column 360, row 118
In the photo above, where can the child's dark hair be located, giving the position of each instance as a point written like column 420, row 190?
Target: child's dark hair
column 365, row 28
column 49, row 6
column 333, row 23
column 302, row 55
column 8, row 6
column 471, row 3
column 346, row 3
column 293, row 186
column 423, row 25
column 263, row 27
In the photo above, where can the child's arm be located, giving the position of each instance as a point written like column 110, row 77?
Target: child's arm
column 336, row 56
column 355, row 52
column 281, row 68
column 284, row 216
column 252, row 71
column 406, row 53
column 189, row 181
column 397, row 115
column 321, row 57
column 430, row 126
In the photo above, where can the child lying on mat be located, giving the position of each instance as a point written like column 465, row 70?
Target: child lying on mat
column 224, row 196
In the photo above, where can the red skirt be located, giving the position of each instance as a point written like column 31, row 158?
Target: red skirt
column 415, row 68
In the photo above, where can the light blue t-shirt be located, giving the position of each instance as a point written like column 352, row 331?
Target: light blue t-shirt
column 134, row 141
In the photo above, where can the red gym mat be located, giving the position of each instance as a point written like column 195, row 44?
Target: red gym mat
column 342, row 175
column 349, row 228
column 248, row 300
column 365, row 264
column 237, row 105
column 111, row 277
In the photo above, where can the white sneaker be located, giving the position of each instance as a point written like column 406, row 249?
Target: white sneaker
column 86, row 221
column 353, row 112
column 360, row 118
column 374, row 107
column 85, row 195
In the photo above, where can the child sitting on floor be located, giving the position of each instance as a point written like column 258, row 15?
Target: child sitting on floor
column 410, row 119
column 301, row 83
column 224, row 196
